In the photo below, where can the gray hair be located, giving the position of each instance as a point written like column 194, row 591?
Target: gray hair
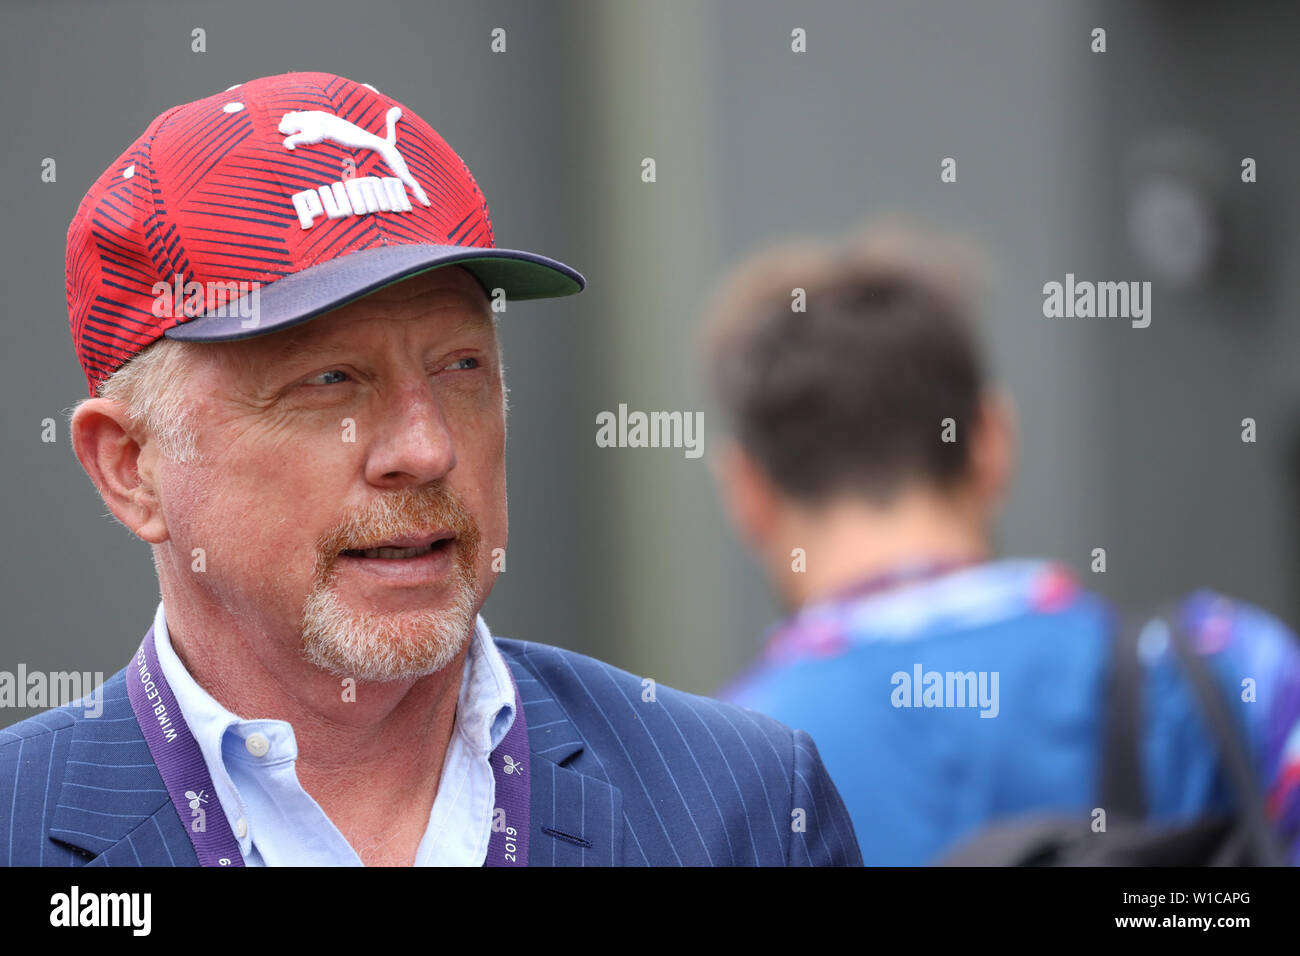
column 151, row 387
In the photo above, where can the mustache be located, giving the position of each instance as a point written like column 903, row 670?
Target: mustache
column 425, row 509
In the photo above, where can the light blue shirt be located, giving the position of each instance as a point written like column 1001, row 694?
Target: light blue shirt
column 278, row 823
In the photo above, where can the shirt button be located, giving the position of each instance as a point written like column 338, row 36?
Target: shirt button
column 257, row 745
column 241, row 828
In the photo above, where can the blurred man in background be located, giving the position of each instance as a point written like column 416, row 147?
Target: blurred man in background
column 869, row 459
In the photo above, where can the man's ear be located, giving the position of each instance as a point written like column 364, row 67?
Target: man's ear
column 106, row 445
column 993, row 451
column 748, row 496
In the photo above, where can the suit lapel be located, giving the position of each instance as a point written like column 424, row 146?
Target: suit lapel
column 112, row 803
column 577, row 819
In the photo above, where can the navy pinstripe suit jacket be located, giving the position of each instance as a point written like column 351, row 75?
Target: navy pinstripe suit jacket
column 616, row 780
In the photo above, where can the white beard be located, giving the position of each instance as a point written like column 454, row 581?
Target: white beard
column 384, row 647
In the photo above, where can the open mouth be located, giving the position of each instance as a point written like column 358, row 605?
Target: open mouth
column 403, row 549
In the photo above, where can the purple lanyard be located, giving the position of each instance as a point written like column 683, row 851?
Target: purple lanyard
column 185, row 773
column 824, row 628
column 512, row 816
column 799, row 636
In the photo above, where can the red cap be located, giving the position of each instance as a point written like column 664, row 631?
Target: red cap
column 267, row 205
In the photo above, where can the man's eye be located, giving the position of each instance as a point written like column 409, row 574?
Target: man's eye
column 332, row 377
column 459, row 363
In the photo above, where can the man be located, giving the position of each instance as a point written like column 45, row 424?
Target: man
column 870, row 455
column 320, row 471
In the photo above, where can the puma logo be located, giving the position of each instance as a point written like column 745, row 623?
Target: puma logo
column 309, row 127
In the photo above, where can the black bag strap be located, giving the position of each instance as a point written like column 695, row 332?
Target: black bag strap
column 1233, row 749
column 1122, row 786
column 1122, row 793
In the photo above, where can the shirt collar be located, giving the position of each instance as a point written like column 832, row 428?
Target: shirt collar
column 486, row 710
column 208, row 721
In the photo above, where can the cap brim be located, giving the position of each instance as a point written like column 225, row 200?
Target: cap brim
column 319, row 289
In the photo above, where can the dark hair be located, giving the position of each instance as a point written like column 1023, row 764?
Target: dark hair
column 850, row 394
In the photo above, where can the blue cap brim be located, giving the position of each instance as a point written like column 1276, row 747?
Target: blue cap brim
column 319, row 289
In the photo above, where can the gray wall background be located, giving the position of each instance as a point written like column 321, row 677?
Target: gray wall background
column 1130, row 438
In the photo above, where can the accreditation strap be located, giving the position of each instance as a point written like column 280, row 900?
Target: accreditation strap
column 512, row 816
column 912, row 599
column 185, row 774
column 179, row 760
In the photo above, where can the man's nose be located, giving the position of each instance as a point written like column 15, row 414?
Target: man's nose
column 414, row 444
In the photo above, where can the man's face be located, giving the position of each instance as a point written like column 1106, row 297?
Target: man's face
column 350, row 486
